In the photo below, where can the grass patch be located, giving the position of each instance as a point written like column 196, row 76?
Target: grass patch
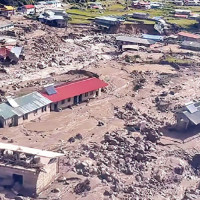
column 178, row 61
column 192, row 8
column 184, row 23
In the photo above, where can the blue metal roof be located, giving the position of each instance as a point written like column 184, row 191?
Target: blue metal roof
column 153, row 37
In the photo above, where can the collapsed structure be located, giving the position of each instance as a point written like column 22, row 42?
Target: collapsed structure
column 188, row 115
column 27, row 171
column 54, row 17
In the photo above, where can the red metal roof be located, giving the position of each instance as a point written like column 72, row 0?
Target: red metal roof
column 4, row 51
column 185, row 34
column 29, row 6
column 76, row 88
column 181, row 16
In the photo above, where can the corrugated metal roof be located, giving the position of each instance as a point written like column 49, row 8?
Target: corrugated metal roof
column 153, row 37
column 108, row 18
column 27, row 104
column 190, row 44
column 134, row 40
column 193, row 117
column 75, row 88
column 186, row 34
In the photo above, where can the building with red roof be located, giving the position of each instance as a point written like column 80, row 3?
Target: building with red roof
column 27, row 9
column 73, row 93
column 189, row 36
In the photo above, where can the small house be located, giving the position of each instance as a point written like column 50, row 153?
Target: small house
column 157, row 38
column 22, row 109
column 28, row 171
column 191, row 45
column 188, row 115
column 125, row 40
column 107, row 22
column 7, row 10
column 10, row 53
column 27, row 9
column 140, row 15
column 188, row 36
column 72, row 93
column 182, row 12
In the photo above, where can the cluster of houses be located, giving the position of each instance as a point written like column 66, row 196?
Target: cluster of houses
column 15, row 111
column 39, row 7
column 146, row 5
column 186, row 14
column 186, row 2
column 186, row 40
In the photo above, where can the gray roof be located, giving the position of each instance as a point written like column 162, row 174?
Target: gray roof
column 190, row 44
column 26, row 104
column 193, row 117
column 134, row 40
column 192, row 112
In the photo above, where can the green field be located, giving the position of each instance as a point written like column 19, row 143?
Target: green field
column 85, row 16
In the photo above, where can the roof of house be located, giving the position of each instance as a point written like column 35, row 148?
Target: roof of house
column 25, row 104
column 29, row 6
column 192, row 112
column 186, row 34
column 190, row 44
column 32, row 151
column 134, row 40
column 153, row 37
column 107, row 18
column 76, row 88
column 181, row 16
column 9, row 8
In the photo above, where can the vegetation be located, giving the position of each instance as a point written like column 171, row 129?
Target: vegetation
column 178, row 61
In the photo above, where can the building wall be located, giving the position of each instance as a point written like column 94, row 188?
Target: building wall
column 45, row 178
column 29, row 177
column 182, row 122
column 64, row 104
column 33, row 115
column 31, row 10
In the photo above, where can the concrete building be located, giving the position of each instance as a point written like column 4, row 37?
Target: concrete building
column 27, row 171
column 27, row 9
column 52, row 17
column 73, row 93
column 22, row 109
column 7, row 11
column 195, row 46
column 188, row 36
column 124, row 40
column 188, row 115
column 140, row 15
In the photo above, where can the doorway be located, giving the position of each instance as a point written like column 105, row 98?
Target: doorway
column 18, row 179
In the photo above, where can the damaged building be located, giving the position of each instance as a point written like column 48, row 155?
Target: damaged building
column 188, row 116
column 27, row 171
column 52, row 17
column 26, row 108
column 73, row 93
column 127, row 40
